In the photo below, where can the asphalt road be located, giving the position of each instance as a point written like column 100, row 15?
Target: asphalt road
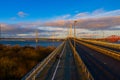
column 101, row 67
column 62, row 68
column 106, row 47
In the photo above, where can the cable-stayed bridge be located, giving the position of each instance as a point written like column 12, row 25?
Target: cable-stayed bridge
column 79, row 59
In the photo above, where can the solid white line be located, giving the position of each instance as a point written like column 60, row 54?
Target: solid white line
column 58, row 64
column 36, row 69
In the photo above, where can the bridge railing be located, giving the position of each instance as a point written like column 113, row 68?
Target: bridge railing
column 101, row 50
column 110, row 45
column 31, row 75
column 101, row 44
column 80, row 65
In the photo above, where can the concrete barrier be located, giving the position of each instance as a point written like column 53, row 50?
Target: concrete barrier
column 106, row 44
column 101, row 50
column 31, row 75
column 80, row 65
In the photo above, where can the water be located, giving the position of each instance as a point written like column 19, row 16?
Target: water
column 118, row 42
column 32, row 43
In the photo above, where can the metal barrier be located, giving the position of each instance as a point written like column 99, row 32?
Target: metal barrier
column 106, row 44
column 31, row 75
column 101, row 50
column 80, row 65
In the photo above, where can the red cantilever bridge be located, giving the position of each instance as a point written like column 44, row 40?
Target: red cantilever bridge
column 112, row 38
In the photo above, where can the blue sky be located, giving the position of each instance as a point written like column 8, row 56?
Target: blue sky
column 15, row 14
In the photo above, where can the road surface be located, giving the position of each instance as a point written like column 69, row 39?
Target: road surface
column 101, row 67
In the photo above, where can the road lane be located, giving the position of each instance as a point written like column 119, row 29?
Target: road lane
column 63, row 68
column 102, row 67
column 103, row 46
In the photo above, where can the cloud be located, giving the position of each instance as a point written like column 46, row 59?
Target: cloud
column 56, row 23
column 97, row 14
column 91, row 23
column 111, row 13
column 62, row 17
column 67, row 16
column 86, row 22
column 22, row 14
column 98, row 19
column 98, row 23
column 16, row 30
column 81, row 15
column 98, row 11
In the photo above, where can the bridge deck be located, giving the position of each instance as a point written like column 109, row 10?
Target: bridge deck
column 62, row 68
column 66, row 66
column 102, row 67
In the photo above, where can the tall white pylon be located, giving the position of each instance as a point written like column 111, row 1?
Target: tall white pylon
column 36, row 39
column 70, row 31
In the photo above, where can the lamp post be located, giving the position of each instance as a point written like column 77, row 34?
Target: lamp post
column 74, row 32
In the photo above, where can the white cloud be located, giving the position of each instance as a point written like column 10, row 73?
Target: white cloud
column 22, row 14
column 62, row 17
column 87, row 22
column 98, row 11
column 50, row 28
column 81, row 15
column 111, row 13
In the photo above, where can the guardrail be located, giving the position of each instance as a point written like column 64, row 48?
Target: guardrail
column 80, row 65
column 106, row 44
column 32, row 74
column 101, row 50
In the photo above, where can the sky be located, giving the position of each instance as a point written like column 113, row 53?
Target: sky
column 21, row 18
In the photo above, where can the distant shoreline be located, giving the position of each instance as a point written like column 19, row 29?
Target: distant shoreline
column 32, row 43
column 33, row 39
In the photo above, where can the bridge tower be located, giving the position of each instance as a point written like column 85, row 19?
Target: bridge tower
column 70, row 31
column 36, row 39
column 53, row 38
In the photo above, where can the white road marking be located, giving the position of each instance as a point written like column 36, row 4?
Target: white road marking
column 58, row 64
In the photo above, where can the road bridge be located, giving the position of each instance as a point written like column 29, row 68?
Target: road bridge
column 83, row 61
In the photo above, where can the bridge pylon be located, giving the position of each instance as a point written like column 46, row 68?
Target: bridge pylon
column 70, row 31
column 36, row 39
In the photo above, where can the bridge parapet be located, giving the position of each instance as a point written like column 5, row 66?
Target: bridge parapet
column 101, row 50
column 32, row 74
column 80, row 65
column 111, row 45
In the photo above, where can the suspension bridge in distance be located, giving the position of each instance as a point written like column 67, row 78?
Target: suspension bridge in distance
column 79, row 59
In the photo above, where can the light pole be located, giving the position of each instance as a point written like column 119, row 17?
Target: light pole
column 74, row 32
